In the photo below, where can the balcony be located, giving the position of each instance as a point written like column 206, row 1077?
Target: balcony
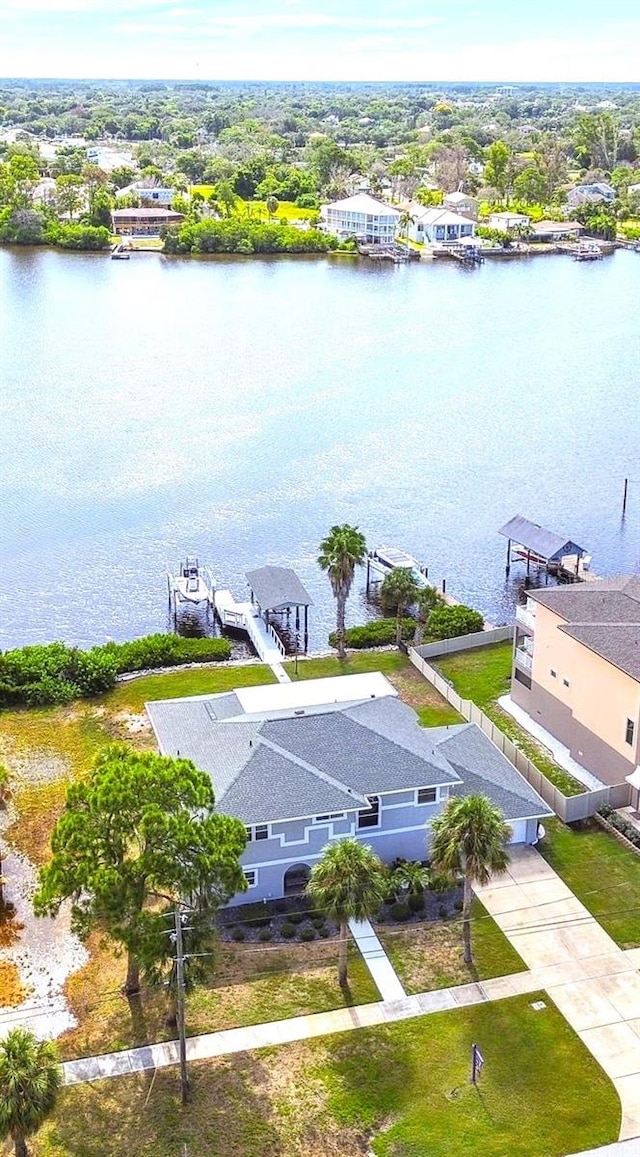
column 526, row 618
column 524, row 659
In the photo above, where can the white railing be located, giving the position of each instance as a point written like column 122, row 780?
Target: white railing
column 277, row 640
column 526, row 617
column 524, row 659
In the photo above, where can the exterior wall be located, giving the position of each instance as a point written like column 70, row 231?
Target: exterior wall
column 422, row 231
column 467, row 208
column 402, row 831
column 370, row 227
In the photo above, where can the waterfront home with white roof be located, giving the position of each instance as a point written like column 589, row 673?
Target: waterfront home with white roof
column 362, row 216
column 308, row 762
column 509, row 222
column 439, row 226
column 462, row 203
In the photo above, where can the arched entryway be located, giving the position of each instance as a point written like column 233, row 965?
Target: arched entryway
column 295, row 879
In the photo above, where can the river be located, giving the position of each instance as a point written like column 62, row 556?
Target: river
column 236, row 409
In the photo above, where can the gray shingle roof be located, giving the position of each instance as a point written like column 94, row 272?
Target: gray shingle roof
column 277, row 586
column 603, row 615
column 331, row 760
column 545, row 543
column 484, row 770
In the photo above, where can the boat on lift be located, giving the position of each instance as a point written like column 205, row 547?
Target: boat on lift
column 384, row 559
column 192, row 583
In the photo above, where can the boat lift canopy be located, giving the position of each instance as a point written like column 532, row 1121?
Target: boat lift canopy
column 274, row 588
column 537, row 544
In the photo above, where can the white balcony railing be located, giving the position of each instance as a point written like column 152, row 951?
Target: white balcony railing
column 526, row 617
column 524, row 659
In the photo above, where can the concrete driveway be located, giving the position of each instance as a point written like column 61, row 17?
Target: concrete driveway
column 595, row 984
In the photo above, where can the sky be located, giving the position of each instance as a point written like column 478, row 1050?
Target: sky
column 384, row 40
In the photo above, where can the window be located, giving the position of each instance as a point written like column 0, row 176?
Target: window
column 251, row 876
column 553, row 674
column 370, row 817
column 257, row 832
column 427, row 795
column 329, row 816
column 630, row 730
column 566, row 682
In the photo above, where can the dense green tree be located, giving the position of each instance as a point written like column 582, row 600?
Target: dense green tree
column 468, row 840
column 29, row 1081
column 497, row 169
column 398, row 592
column 348, row 882
column 69, row 196
column 447, row 622
column 341, row 552
column 141, row 828
column 596, row 140
column 272, row 206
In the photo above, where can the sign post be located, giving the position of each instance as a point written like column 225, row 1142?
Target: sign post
column 477, row 1061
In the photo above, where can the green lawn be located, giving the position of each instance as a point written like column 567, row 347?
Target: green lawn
column 484, row 675
column 400, row 1090
column 286, row 210
column 209, row 680
column 602, row 873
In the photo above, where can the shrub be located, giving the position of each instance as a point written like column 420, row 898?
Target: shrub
column 439, row 883
column 238, row 934
column 377, row 633
column 281, row 906
column 442, row 912
column 81, row 237
column 242, row 235
column 256, row 916
column 416, row 901
column 306, row 934
column 458, row 905
column 296, row 917
column 621, row 825
column 449, row 622
column 164, row 651
column 318, row 921
column 324, row 933
column 400, row 911
column 287, row 931
column 264, row 935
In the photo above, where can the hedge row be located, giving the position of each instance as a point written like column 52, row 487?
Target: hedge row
column 620, row 824
column 55, row 673
column 377, row 633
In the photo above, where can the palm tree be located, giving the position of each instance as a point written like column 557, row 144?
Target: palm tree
column 405, row 221
column 341, row 552
column 428, row 599
column 400, row 590
column 29, row 1082
column 468, row 839
column 271, row 205
column 348, row 882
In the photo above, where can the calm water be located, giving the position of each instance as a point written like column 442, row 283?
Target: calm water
column 237, row 409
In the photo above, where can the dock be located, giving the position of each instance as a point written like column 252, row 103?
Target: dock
column 271, row 614
column 545, row 550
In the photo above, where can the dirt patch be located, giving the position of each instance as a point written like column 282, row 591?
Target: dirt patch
column 130, row 723
column 426, row 956
column 414, row 689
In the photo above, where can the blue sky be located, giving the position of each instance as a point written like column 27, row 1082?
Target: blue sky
column 323, row 40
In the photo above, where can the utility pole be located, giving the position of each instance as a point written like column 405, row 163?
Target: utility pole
column 182, row 1042
column 624, row 497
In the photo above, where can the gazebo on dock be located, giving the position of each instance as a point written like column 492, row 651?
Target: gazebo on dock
column 528, row 542
column 277, row 590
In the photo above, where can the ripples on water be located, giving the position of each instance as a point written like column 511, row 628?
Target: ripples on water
column 237, row 409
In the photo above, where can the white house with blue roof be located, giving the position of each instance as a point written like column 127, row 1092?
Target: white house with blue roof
column 307, row 762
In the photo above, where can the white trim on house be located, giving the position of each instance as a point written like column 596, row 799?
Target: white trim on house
column 252, row 876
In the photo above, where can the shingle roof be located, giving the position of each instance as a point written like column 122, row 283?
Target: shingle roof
column 546, row 543
column 277, row 586
column 332, row 759
column 603, row 615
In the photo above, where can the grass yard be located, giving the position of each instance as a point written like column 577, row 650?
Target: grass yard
column 287, row 210
column 250, row 984
column 603, row 874
column 400, row 1090
column 432, row 709
column 484, row 675
column 207, row 680
column 429, row 955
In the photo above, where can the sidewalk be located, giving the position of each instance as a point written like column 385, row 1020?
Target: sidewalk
column 594, row 983
column 278, row 1032
column 377, row 961
column 560, row 753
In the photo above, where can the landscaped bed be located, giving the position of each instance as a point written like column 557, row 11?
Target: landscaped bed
column 602, row 873
column 484, row 675
column 398, row 1091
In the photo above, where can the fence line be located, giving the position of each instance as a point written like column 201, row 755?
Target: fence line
column 568, row 808
column 466, row 642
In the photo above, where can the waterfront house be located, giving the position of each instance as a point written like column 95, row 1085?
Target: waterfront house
column 143, row 222
column 556, row 230
column 361, row 216
column 461, row 203
column 312, row 761
column 148, row 192
column 439, row 226
column 576, row 671
column 509, row 222
column 597, row 192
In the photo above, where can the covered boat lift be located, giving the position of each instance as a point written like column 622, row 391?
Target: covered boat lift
column 530, row 543
column 277, row 590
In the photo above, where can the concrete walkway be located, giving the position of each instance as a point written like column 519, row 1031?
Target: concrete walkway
column 618, row 1149
column 298, row 1028
column 377, row 961
column 560, row 753
column 594, row 983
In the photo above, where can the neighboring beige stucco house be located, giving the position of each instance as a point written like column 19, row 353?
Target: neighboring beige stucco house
column 576, row 671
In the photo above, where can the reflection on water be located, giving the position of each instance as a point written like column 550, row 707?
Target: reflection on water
column 237, row 409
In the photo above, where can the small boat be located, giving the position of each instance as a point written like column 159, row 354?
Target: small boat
column 192, row 584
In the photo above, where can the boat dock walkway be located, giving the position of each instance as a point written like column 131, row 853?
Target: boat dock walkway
column 244, row 617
